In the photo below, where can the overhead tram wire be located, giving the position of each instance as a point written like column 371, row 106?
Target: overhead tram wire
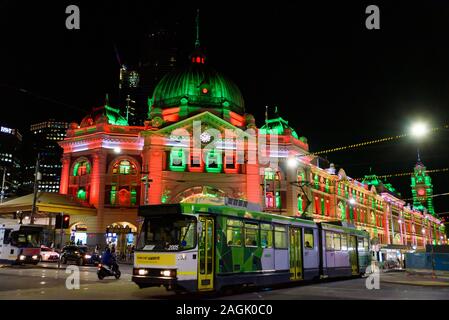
column 38, row 96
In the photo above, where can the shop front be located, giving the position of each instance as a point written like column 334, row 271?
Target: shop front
column 121, row 237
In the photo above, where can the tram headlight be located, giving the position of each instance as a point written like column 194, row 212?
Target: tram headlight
column 166, row 273
column 22, row 257
column 142, row 272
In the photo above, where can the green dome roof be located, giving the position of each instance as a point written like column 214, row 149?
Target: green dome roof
column 277, row 126
column 201, row 86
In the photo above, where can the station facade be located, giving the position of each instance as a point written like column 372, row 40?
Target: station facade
column 198, row 142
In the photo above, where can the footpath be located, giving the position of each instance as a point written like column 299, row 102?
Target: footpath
column 415, row 278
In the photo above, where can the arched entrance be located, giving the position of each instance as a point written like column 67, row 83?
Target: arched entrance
column 121, row 236
column 199, row 193
column 78, row 234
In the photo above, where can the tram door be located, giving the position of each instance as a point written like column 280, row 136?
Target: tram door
column 295, row 254
column 353, row 254
column 206, row 254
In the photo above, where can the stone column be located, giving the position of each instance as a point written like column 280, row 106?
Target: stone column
column 65, row 174
column 155, row 165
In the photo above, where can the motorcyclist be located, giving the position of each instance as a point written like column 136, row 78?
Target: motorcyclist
column 107, row 258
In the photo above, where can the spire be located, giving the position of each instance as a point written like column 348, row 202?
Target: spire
column 106, row 99
column 419, row 156
column 266, row 114
column 197, row 20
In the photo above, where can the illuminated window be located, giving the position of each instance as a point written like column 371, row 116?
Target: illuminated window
column 308, row 239
column 81, row 168
column 124, row 167
column 269, row 201
column 213, row 161
column 81, row 194
column 177, row 160
column 133, row 197
column 278, row 200
column 113, row 195
column 234, row 232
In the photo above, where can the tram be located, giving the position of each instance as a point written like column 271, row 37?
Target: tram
column 204, row 247
column 19, row 244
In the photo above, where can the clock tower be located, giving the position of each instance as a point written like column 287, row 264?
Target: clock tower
column 422, row 189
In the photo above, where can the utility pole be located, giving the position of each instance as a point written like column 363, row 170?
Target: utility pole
column 60, row 241
column 2, row 195
column 36, row 189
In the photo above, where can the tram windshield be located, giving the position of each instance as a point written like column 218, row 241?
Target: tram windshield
column 25, row 239
column 168, row 233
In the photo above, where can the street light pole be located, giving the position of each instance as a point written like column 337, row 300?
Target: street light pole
column 2, row 196
column 36, row 189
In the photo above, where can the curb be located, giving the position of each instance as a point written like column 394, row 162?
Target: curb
column 420, row 284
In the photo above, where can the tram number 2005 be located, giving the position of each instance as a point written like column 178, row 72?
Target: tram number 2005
column 246, row 309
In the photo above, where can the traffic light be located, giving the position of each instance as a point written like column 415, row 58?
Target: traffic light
column 62, row 221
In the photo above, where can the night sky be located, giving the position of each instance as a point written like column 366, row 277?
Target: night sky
column 335, row 81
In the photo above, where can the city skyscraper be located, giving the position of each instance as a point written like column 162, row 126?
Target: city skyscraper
column 44, row 137
column 10, row 144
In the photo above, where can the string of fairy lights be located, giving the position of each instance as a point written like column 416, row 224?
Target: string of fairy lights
column 367, row 143
column 433, row 196
column 402, row 174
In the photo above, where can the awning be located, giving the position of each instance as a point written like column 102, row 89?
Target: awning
column 47, row 202
column 396, row 247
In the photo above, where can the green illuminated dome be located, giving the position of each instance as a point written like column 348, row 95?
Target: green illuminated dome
column 278, row 126
column 199, row 86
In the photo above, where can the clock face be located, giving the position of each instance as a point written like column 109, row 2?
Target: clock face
column 421, row 192
column 205, row 137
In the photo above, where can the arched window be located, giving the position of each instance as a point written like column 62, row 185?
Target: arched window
column 214, row 162
column 124, row 167
column 81, row 168
column 81, row 194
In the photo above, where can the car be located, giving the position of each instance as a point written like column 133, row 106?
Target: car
column 80, row 255
column 48, row 254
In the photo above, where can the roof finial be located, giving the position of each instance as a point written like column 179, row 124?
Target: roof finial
column 197, row 20
column 419, row 156
column 106, row 99
column 266, row 114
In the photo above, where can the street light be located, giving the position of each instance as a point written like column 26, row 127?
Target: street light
column 352, row 201
column 117, row 150
column 292, row 162
column 419, row 129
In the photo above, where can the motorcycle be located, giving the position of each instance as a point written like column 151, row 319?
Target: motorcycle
column 104, row 271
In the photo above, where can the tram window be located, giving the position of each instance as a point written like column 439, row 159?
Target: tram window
column 308, row 239
column 329, row 241
column 280, row 237
column 337, row 241
column 366, row 244
column 234, row 232
column 360, row 244
column 251, row 238
column 344, row 242
column 266, row 235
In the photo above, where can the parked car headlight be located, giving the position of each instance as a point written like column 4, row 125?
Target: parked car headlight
column 87, row 256
column 22, row 257
column 35, row 257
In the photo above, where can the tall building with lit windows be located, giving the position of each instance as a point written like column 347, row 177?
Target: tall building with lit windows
column 10, row 162
column 44, row 137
